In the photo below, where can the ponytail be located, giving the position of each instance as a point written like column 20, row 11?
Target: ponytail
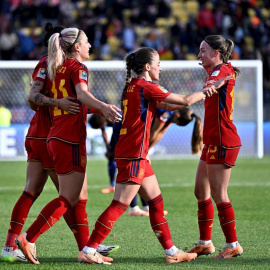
column 197, row 135
column 225, row 48
column 56, row 55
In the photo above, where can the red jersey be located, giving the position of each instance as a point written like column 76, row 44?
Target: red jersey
column 218, row 128
column 70, row 128
column 139, row 106
column 41, row 122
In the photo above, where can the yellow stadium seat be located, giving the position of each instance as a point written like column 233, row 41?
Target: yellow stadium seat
column 114, row 43
column 127, row 14
column 191, row 56
column 192, row 7
column 251, row 12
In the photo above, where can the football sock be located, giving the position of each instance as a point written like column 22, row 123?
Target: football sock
column 19, row 216
column 112, row 171
column 205, row 219
column 134, row 202
column 144, row 203
column 105, row 223
column 204, row 243
column 172, row 251
column 77, row 220
column 227, row 221
column 49, row 215
column 232, row 245
column 159, row 223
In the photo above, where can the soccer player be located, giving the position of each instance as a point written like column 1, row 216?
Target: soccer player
column 181, row 117
column 140, row 97
column 40, row 165
column 221, row 147
column 66, row 139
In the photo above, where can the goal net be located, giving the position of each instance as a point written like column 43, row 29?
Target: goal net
column 106, row 81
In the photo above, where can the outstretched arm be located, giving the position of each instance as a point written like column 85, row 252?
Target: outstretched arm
column 109, row 111
column 196, row 96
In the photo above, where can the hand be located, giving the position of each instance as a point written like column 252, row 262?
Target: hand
column 109, row 155
column 221, row 81
column 209, row 90
column 148, row 158
column 110, row 112
column 68, row 105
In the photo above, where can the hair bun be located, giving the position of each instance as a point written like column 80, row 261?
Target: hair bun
column 48, row 27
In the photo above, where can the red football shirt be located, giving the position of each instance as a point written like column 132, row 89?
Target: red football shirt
column 139, row 106
column 41, row 122
column 67, row 127
column 218, row 128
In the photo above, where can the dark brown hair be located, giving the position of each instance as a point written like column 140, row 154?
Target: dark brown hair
column 225, row 48
column 185, row 116
column 136, row 62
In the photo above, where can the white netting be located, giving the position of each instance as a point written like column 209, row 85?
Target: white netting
column 106, row 81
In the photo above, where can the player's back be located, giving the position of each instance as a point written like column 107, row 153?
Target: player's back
column 68, row 127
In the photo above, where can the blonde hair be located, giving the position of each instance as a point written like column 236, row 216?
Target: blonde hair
column 60, row 46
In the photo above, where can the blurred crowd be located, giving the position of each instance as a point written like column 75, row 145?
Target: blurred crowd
column 174, row 28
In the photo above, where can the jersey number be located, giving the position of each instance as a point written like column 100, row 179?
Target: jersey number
column 123, row 131
column 57, row 111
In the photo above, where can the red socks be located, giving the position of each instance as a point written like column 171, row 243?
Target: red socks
column 18, row 217
column 205, row 219
column 49, row 215
column 105, row 223
column 77, row 220
column 159, row 223
column 227, row 221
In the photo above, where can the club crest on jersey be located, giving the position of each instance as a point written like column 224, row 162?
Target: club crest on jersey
column 83, row 75
column 164, row 117
column 162, row 89
column 215, row 73
column 42, row 73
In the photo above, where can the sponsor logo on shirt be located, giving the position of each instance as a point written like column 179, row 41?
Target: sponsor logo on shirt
column 162, row 89
column 42, row 73
column 83, row 75
column 215, row 73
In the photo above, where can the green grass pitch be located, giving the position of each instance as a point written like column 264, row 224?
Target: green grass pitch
column 249, row 192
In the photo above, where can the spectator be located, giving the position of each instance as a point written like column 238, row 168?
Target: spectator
column 5, row 116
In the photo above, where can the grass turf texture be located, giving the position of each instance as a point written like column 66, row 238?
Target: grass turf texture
column 249, row 192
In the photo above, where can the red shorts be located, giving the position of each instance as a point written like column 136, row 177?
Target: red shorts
column 218, row 155
column 37, row 151
column 133, row 170
column 67, row 157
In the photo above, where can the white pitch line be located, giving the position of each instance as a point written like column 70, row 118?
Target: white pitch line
column 168, row 185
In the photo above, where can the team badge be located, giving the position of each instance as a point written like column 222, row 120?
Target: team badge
column 83, row 161
column 42, row 73
column 162, row 89
column 141, row 173
column 215, row 73
column 164, row 117
column 83, row 75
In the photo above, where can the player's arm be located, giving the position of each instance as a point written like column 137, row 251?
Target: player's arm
column 196, row 96
column 158, row 130
column 168, row 106
column 105, row 137
column 36, row 97
column 109, row 111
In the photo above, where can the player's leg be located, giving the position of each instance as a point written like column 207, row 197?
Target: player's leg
column 124, row 193
column 205, row 209
column 219, row 176
column 134, row 209
column 36, row 177
column 150, row 191
column 111, row 172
